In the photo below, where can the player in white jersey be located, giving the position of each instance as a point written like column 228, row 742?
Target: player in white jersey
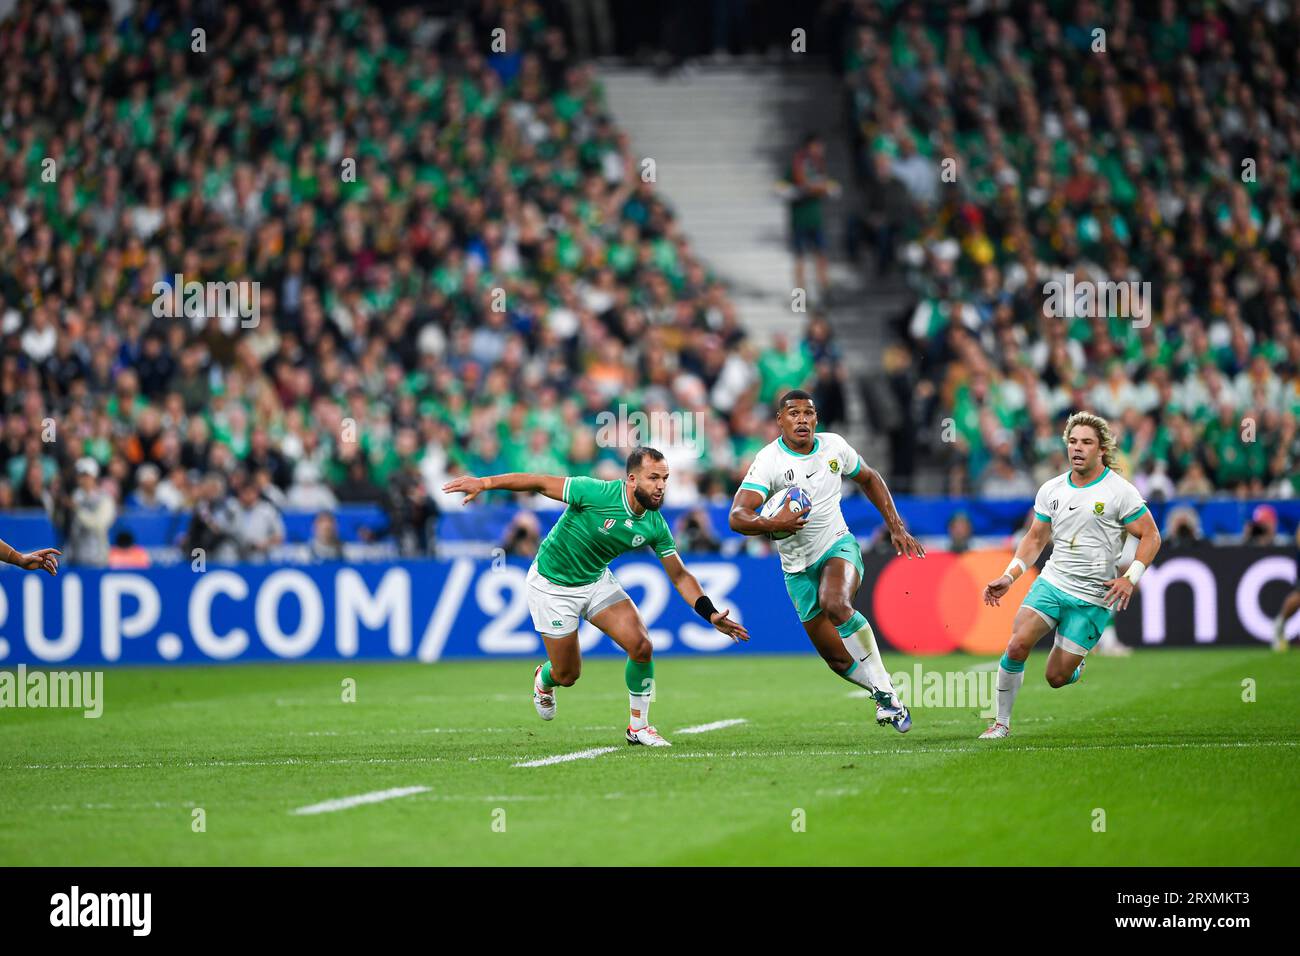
column 821, row 561
column 1085, row 514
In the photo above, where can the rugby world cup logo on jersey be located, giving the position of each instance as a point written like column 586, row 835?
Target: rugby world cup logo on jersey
column 676, row 434
column 609, row 523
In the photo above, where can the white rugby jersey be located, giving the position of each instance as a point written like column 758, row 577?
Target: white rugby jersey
column 1088, row 526
column 820, row 473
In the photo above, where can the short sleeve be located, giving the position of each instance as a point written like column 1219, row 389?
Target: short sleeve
column 1042, row 510
column 1131, row 504
column 663, row 544
column 757, row 479
column 852, row 463
column 581, row 491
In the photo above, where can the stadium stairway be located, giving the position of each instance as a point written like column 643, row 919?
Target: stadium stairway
column 721, row 137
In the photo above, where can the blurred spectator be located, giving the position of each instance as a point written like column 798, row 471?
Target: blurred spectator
column 85, row 517
column 125, row 553
column 357, row 487
column 308, row 492
column 145, row 497
column 1194, row 483
column 523, row 535
column 782, row 367
column 253, row 523
column 411, row 514
column 1003, row 479
column 1182, row 527
column 809, row 188
column 695, row 533
column 208, row 534
column 959, row 533
column 325, row 544
column 174, row 491
column 1261, row 529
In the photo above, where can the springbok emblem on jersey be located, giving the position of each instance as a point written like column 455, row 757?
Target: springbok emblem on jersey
column 1098, row 507
column 835, row 465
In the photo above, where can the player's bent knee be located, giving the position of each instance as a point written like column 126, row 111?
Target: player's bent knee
column 565, row 678
column 1058, row 680
column 642, row 650
column 1018, row 650
column 838, row 612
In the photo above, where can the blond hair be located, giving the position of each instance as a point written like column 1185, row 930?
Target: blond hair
column 1105, row 437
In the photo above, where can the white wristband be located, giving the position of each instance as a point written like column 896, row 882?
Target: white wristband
column 1135, row 571
column 1015, row 562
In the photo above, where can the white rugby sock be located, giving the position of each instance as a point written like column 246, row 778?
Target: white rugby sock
column 868, row 670
column 638, row 704
column 1009, row 681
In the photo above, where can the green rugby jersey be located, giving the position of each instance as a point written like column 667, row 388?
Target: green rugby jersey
column 596, row 527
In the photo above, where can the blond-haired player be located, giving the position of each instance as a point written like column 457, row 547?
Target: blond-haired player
column 1085, row 514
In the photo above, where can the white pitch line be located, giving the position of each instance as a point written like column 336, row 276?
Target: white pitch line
column 601, row 751
column 901, row 751
column 565, row 758
column 343, row 803
column 716, row 725
column 981, row 748
column 206, row 764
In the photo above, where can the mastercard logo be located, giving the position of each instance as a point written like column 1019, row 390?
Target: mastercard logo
column 935, row 605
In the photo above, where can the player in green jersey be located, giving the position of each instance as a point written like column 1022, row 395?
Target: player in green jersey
column 571, row 580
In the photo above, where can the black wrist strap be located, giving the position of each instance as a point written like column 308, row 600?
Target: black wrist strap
column 704, row 607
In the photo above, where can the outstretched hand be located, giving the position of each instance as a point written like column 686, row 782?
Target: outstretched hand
column 470, row 485
column 996, row 589
column 733, row 629
column 905, row 544
column 46, row 559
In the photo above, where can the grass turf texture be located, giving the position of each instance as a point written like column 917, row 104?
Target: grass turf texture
column 1186, row 772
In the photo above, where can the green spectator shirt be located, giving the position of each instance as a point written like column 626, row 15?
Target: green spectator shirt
column 789, row 370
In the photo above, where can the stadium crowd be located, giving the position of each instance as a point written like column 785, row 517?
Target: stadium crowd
column 458, row 267
column 1024, row 144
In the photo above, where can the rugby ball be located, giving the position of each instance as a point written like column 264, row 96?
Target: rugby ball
column 795, row 498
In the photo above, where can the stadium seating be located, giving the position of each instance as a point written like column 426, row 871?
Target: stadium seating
column 459, row 266
column 1110, row 143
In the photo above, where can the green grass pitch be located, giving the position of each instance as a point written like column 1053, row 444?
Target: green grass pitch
column 1185, row 771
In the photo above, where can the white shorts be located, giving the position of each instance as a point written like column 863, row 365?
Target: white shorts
column 558, row 610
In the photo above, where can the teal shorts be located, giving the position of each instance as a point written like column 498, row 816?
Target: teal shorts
column 1078, row 623
column 802, row 585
